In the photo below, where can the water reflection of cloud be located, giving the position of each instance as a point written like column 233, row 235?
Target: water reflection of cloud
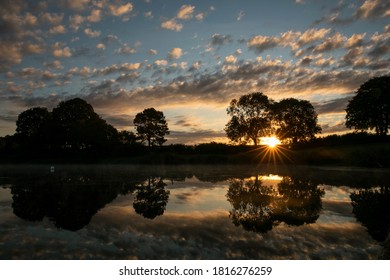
column 119, row 233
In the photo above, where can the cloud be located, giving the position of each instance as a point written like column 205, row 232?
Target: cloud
column 32, row 48
column 95, row 16
column 338, row 127
column 101, row 46
column 59, row 51
column 200, row 16
column 185, row 12
column 92, row 33
column 56, row 64
column 119, row 10
column 184, row 121
column 10, row 54
column 379, row 45
column 175, row 53
column 120, row 121
column 372, row 9
column 219, row 40
column 77, row 5
column 125, row 67
column 161, row 62
column 333, row 106
column 196, row 136
column 172, row 25
column 262, row 43
column 355, row 40
column 331, row 43
column 58, row 29
column 126, row 50
column 152, row 52
column 52, row 18
column 230, row 59
column 75, row 22
column 312, row 35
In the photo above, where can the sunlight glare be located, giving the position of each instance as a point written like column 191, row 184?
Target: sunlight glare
column 271, row 141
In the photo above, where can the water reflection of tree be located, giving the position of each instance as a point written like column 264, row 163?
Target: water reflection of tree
column 68, row 201
column 372, row 208
column 252, row 205
column 300, row 201
column 259, row 208
column 151, row 199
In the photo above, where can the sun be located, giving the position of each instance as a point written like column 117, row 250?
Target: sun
column 271, row 141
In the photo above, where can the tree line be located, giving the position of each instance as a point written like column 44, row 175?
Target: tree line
column 74, row 128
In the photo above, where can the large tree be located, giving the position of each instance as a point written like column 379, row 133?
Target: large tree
column 33, row 128
column 369, row 109
column 250, row 118
column 151, row 126
column 78, row 127
column 295, row 120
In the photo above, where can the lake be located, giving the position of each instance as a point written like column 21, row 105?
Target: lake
column 192, row 212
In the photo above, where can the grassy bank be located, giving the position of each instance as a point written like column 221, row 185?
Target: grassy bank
column 369, row 154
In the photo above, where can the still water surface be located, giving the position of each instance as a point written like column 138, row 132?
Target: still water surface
column 192, row 212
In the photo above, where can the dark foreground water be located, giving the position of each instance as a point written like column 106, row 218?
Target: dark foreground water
column 192, row 212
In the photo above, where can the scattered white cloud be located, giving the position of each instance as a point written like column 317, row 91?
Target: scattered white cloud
column 171, row 24
column 95, row 15
column 161, row 62
column 175, row 53
column 92, row 33
column 75, row 22
column 59, row 51
column 185, row 12
column 200, row 16
column 101, row 46
column 261, row 43
column 77, row 5
column 372, row 9
column 52, row 18
column 230, row 59
column 58, row 29
column 120, row 10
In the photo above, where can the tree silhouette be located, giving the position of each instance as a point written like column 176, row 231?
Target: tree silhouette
column 251, row 203
column 300, row 201
column 151, row 126
column 68, row 201
column 78, row 127
column 259, row 208
column 369, row 109
column 296, row 120
column 33, row 128
column 372, row 208
column 151, row 200
column 250, row 118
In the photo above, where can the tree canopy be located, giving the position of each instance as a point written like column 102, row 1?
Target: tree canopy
column 151, row 126
column 369, row 109
column 296, row 120
column 254, row 116
column 79, row 127
column 250, row 118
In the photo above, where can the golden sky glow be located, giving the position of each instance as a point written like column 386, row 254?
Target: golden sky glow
column 125, row 56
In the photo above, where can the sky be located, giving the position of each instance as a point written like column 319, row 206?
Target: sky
column 188, row 59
